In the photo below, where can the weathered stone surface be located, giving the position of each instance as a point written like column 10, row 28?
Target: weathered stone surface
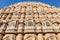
column 58, row 36
column 40, row 37
column 30, row 21
column 19, row 37
column 1, row 36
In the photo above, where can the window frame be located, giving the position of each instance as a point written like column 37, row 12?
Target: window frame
column 29, row 21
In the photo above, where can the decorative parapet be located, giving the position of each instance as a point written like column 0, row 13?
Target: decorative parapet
column 30, row 17
column 30, row 21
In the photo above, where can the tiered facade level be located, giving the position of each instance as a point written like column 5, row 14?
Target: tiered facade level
column 30, row 21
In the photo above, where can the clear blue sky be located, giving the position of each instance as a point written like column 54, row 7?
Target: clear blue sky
column 50, row 2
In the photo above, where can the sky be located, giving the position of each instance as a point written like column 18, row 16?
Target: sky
column 4, row 3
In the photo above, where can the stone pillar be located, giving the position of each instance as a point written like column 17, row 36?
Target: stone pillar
column 38, row 27
column 58, row 36
column 40, row 37
column 19, row 37
column 2, row 27
column 1, row 36
column 29, row 37
column 20, row 27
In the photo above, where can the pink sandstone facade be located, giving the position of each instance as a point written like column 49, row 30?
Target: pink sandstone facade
column 30, row 21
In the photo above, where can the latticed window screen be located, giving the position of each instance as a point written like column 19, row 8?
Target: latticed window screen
column 30, row 23
column 47, row 24
column 13, row 23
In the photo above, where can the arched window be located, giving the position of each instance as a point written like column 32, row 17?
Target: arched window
column 12, row 23
column 46, row 23
column 30, row 23
column 55, row 13
column 56, row 24
column 29, row 14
